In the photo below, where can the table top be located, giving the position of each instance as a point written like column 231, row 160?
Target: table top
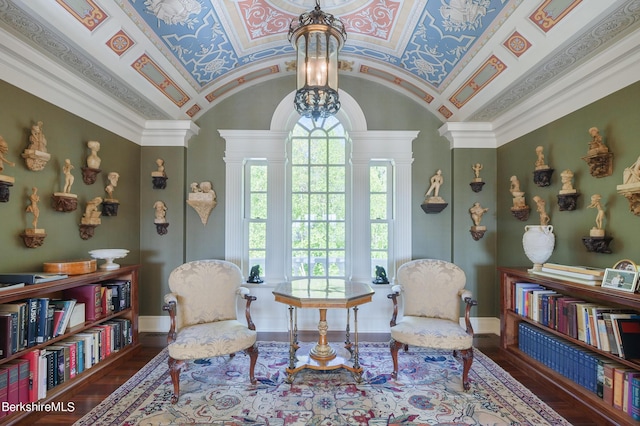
column 323, row 293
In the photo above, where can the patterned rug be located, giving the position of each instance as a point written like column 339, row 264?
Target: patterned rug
column 216, row 391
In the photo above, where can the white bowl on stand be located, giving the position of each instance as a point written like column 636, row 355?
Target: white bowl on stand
column 109, row 255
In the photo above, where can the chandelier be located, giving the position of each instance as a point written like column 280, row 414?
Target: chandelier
column 317, row 38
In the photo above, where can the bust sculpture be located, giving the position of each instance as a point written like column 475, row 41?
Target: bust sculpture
column 93, row 161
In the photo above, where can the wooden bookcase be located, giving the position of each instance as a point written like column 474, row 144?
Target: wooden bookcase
column 509, row 320
column 54, row 289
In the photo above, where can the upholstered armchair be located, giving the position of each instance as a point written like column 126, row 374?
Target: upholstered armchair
column 202, row 307
column 432, row 291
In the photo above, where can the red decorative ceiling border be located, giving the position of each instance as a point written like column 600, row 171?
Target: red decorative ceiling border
column 517, row 44
column 226, row 88
column 478, row 81
column 120, row 42
column 91, row 16
column 152, row 72
column 550, row 12
column 415, row 90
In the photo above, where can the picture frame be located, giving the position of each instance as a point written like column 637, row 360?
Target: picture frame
column 620, row 279
column 626, row 264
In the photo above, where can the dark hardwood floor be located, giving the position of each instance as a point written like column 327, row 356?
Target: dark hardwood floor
column 89, row 395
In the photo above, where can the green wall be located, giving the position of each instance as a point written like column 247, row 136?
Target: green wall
column 565, row 142
column 67, row 137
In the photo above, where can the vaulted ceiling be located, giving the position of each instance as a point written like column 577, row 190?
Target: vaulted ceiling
column 130, row 61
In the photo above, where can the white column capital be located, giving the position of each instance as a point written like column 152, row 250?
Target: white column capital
column 469, row 135
column 168, row 132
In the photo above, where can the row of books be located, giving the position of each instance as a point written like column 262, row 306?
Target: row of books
column 28, row 378
column 579, row 274
column 610, row 329
column 29, row 322
column 617, row 384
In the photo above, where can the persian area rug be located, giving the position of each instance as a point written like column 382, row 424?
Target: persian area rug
column 428, row 391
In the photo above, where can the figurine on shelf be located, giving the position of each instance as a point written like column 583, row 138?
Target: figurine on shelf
column 90, row 173
column 254, row 275
column 113, row 183
column 36, row 155
column 93, row 161
column 159, row 177
column 381, row 276
column 4, row 150
column 161, row 212
column 542, row 173
column 598, row 231
column 541, row 208
column 435, row 203
column 476, row 211
column 65, row 201
column 596, row 146
column 631, row 174
column 203, row 199
column 520, row 209
column 476, row 183
column 567, row 196
column 33, row 237
column 91, row 214
column 540, row 164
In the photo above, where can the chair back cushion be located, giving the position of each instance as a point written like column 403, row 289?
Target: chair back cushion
column 431, row 288
column 206, row 291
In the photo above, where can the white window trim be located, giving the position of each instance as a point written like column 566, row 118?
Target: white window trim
column 270, row 145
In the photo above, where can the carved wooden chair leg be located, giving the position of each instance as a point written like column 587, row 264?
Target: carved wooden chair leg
column 467, row 360
column 395, row 346
column 253, row 355
column 174, row 370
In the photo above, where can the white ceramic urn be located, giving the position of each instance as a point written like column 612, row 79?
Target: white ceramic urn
column 538, row 242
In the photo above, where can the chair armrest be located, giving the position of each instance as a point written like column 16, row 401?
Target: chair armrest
column 466, row 297
column 396, row 289
column 170, row 305
column 244, row 292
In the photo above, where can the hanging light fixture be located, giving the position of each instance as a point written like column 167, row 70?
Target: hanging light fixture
column 317, row 38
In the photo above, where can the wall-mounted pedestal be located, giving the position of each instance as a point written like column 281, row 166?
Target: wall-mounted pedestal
column 5, row 184
column 33, row 238
column 159, row 182
column 597, row 244
column 161, row 228
column 476, row 186
column 542, row 177
column 87, row 231
column 110, row 208
column 568, row 202
column 63, row 202
column 477, row 232
column 433, row 205
column 600, row 165
column 521, row 213
column 632, row 193
column 35, row 160
column 89, row 175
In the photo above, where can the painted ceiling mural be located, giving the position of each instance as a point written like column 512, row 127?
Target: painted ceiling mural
column 450, row 56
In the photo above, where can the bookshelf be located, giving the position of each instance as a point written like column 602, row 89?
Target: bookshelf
column 509, row 329
column 55, row 289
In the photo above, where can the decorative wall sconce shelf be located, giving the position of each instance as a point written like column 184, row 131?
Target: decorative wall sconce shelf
column 568, row 202
column 203, row 199
column 35, row 160
column 33, row 238
column 476, row 186
column 4, row 190
column 159, row 182
column 433, row 207
column 87, row 231
column 600, row 165
column 89, row 175
column 522, row 214
column 62, row 202
column 477, row 232
column 597, row 244
column 542, row 177
column 110, row 208
column 161, row 228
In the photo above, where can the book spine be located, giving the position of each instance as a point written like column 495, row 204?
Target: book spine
column 52, row 364
column 635, row 398
column 33, row 358
column 13, row 395
column 41, row 330
column 4, row 389
column 33, row 322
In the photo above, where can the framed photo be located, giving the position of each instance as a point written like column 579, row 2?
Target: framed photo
column 626, row 264
column 620, row 279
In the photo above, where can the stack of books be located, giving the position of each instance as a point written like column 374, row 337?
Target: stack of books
column 578, row 274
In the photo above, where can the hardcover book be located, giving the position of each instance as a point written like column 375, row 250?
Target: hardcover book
column 12, row 387
column 4, row 389
column 91, row 296
column 66, row 306
column 8, row 333
column 23, row 378
column 33, row 357
column 629, row 332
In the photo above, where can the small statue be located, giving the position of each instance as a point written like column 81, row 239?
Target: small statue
column 254, row 275
column 596, row 146
column 34, row 199
column 476, row 171
column 544, row 217
column 476, row 212
column 93, row 161
column 37, row 141
column 540, row 165
column 598, row 230
column 68, row 177
column 436, row 181
column 567, row 185
column 381, row 276
column 518, row 196
column 113, row 182
column 91, row 214
column 4, row 150
column 161, row 212
column 631, row 174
